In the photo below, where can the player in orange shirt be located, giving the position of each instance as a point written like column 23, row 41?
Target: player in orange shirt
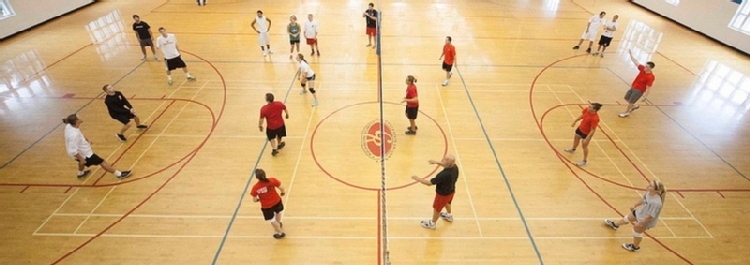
column 264, row 191
column 589, row 120
column 449, row 52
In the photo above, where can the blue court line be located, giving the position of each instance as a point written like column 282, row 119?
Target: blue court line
column 688, row 132
column 61, row 123
column 499, row 166
column 247, row 185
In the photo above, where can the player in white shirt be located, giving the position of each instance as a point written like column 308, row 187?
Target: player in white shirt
column 263, row 26
column 609, row 32
column 167, row 43
column 311, row 34
column 592, row 28
column 78, row 147
column 306, row 75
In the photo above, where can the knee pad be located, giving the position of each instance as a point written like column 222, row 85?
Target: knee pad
column 303, row 85
column 636, row 234
column 625, row 219
column 312, row 90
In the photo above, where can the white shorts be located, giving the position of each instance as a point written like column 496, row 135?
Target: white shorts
column 263, row 39
column 591, row 35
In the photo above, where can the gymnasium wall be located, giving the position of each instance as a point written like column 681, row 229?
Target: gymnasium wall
column 29, row 13
column 710, row 17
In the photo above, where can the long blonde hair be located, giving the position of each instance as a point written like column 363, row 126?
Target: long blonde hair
column 660, row 189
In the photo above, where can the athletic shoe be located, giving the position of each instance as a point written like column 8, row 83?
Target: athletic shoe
column 446, row 216
column 630, row 247
column 409, row 128
column 601, row 55
column 191, row 78
column 125, row 174
column 290, row 57
column 570, row 150
column 279, row 236
column 303, row 91
column 141, row 127
column 312, row 53
column 445, row 83
column 270, row 51
column 428, row 224
column 624, row 114
column 274, row 152
column 368, row 45
column 635, row 107
column 318, row 52
column 282, row 144
column 156, row 58
column 121, row 137
column 315, row 103
column 143, row 58
column 588, row 50
column 373, row 46
column 581, row 164
column 576, row 47
column 265, row 53
column 611, row 224
column 595, row 53
column 169, row 81
column 85, row 173
column 410, row 132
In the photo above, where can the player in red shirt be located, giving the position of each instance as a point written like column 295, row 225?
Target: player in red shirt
column 640, row 86
column 276, row 129
column 412, row 104
column 270, row 202
column 589, row 120
column 449, row 52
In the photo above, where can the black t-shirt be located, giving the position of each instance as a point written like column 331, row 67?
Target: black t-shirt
column 142, row 29
column 371, row 23
column 445, row 181
column 116, row 104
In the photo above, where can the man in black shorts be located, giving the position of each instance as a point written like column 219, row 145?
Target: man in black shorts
column 167, row 42
column 78, row 147
column 609, row 33
column 144, row 36
column 276, row 129
column 120, row 109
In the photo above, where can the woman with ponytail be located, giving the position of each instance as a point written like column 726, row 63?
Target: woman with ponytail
column 644, row 214
column 264, row 191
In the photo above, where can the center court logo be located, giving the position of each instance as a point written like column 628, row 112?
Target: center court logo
column 371, row 142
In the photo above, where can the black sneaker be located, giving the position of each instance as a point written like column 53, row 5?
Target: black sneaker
column 576, row 47
column 121, row 137
column 85, row 173
column 415, row 127
column 588, row 50
column 410, row 132
column 278, row 236
column 125, row 174
column 611, row 224
column 141, row 127
column 631, row 247
column 274, row 152
column 282, row 144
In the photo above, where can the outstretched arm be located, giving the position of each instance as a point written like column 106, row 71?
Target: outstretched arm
column 632, row 58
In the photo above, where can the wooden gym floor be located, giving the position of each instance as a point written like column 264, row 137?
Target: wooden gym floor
column 506, row 116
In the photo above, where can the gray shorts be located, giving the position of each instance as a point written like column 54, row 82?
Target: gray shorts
column 146, row 42
column 633, row 95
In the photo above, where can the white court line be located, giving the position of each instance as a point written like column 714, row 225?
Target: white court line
column 519, row 139
column 362, row 237
column 299, row 157
column 218, row 136
column 455, row 149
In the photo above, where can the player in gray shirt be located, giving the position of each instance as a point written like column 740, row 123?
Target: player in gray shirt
column 644, row 214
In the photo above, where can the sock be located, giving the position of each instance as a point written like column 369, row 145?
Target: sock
column 118, row 173
column 80, row 173
column 169, row 77
column 187, row 74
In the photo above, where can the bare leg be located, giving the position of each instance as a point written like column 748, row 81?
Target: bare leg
column 620, row 222
column 576, row 141
column 435, row 216
column 137, row 120
column 153, row 50
column 637, row 240
column 143, row 50
column 276, row 226
column 125, row 127
column 413, row 125
column 107, row 167
column 585, row 148
column 448, row 208
column 580, row 42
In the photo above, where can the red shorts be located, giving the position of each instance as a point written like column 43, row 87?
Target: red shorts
column 441, row 201
column 312, row 41
column 372, row 31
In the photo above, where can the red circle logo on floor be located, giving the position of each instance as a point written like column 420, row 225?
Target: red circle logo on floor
column 373, row 143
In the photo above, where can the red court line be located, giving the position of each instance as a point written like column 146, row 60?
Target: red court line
column 24, row 189
column 191, row 156
column 568, row 165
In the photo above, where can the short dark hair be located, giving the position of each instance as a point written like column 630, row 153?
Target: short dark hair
column 597, row 106
column 260, row 174
column 371, row 5
column 269, row 97
column 160, row 28
column 651, row 64
column 105, row 87
column 602, row 13
column 136, row 16
column 71, row 119
column 259, row 11
column 449, row 38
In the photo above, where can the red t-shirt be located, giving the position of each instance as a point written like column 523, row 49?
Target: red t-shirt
column 643, row 79
column 272, row 113
column 411, row 92
column 266, row 191
column 450, row 53
column 590, row 121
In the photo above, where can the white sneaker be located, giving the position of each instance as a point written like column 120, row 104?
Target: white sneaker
column 570, row 150
column 315, row 103
column 445, row 83
column 265, row 53
column 303, row 91
column 270, row 51
column 428, row 224
column 143, row 58
column 581, row 164
column 624, row 114
column 447, row 217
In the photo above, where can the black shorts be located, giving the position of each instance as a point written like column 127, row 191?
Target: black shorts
column 175, row 63
column 447, row 67
column 580, row 133
column 311, row 78
column 146, row 42
column 125, row 118
column 275, row 133
column 93, row 160
column 605, row 41
column 268, row 213
column 411, row 113
column 293, row 42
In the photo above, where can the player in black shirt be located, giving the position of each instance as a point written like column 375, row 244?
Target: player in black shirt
column 371, row 17
column 445, row 187
column 120, row 109
column 144, row 36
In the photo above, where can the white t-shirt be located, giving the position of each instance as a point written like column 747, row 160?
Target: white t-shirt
column 652, row 205
column 261, row 24
column 75, row 143
column 311, row 29
column 596, row 22
column 609, row 33
column 305, row 68
column 168, row 46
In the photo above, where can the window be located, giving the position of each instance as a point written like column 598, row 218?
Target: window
column 641, row 39
column 740, row 21
column 107, row 33
column 721, row 90
column 6, row 10
column 673, row 2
